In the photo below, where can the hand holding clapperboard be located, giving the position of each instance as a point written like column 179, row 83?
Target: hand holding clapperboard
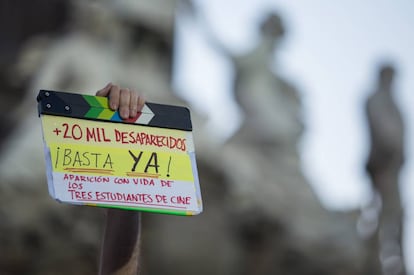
column 95, row 158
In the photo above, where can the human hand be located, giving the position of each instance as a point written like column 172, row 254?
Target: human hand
column 127, row 101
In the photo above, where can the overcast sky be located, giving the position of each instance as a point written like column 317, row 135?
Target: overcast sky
column 330, row 53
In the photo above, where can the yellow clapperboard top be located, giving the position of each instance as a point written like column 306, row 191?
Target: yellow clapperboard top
column 94, row 158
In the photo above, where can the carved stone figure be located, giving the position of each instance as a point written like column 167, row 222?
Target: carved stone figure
column 267, row 218
column 386, row 158
column 264, row 170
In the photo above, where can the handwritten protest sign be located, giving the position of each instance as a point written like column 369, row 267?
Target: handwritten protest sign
column 95, row 158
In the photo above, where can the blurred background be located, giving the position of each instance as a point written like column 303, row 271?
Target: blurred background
column 277, row 91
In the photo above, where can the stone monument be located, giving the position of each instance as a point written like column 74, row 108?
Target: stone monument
column 385, row 160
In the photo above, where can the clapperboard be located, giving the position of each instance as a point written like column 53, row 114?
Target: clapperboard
column 95, row 158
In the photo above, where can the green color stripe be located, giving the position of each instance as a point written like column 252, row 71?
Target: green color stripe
column 93, row 112
column 159, row 211
column 103, row 101
column 99, row 107
column 106, row 114
column 92, row 101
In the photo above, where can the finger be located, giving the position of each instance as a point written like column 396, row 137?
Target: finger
column 133, row 104
column 125, row 98
column 114, row 97
column 141, row 102
column 105, row 90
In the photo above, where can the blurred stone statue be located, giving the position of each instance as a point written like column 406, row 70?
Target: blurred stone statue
column 266, row 176
column 386, row 158
column 272, row 209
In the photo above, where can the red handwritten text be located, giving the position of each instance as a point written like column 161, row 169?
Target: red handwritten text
column 142, row 138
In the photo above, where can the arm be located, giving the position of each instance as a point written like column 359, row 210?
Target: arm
column 121, row 240
column 121, row 243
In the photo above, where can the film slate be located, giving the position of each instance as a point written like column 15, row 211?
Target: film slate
column 95, row 158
